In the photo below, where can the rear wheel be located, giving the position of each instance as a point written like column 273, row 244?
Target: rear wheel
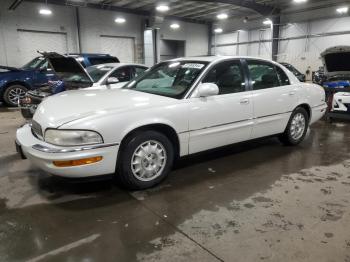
column 13, row 94
column 296, row 128
column 145, row 159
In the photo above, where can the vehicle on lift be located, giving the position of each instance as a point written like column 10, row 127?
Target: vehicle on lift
column 73, row 76
column 179, row 107
column 336, row 62
column 15, row 82
column 295, row 71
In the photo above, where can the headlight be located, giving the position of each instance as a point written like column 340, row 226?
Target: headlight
column 72, row 137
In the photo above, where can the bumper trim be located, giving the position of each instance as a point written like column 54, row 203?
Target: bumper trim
column 46, row 149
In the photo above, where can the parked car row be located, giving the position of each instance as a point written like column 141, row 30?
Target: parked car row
column 178, row 107
column 15, row 82
column 72, row 75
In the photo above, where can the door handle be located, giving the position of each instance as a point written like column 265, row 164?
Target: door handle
column 244, row 101
column 292, row 93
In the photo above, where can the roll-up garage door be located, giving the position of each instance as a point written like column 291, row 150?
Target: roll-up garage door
column 30, row 41
column 121, row 47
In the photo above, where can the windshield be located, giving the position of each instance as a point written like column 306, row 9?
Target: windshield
column 170, row 79
column 36, row 63
column 97, row 72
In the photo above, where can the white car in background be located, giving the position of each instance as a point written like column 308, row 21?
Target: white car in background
column 177, row 108
column 73, row 76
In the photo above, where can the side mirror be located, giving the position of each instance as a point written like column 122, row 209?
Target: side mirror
column 112, row 80
column 207, row 89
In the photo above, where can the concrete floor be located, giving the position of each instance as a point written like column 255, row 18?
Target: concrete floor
column 252, row 202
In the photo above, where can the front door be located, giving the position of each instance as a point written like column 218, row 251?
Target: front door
column 225, row 118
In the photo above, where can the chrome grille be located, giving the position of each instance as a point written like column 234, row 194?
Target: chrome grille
column 36, row 129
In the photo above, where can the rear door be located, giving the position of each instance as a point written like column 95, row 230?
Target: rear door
column 272, row 95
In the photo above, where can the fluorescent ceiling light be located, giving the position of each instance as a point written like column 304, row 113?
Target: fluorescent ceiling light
column 343, row 10
column 267, row 22
column 175, row 26
column 162, row 8
column 222, row 16
column 218, row 30
column 45, row 11
column 299, row 1
column 120, row 20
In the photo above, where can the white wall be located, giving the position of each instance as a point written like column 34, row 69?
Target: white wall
column 299, row 52
column 306, row 52
column 27, row 17
column 195, row 35
column 94, row 23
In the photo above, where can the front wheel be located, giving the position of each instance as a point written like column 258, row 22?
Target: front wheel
column 296, row 129
column 146, row 158
column 13, row 94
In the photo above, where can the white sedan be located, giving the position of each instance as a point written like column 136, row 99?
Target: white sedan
column 177, row 108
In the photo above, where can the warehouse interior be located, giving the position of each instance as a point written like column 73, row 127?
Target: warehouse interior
column 255, row 200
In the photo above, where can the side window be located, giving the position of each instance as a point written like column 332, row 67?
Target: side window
column 123, row 74
column 263, row 75
column 227, row 76
column 139, row 71
column 284, row 80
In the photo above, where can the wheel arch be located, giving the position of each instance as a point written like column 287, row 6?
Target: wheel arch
column 307, row 107
column 17, row 82
column 165, row 129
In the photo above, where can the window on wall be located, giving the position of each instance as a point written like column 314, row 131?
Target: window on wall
column 227, row 76
column 263, row 75
column 284, row 80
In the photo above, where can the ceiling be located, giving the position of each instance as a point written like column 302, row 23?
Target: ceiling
column 201, row 10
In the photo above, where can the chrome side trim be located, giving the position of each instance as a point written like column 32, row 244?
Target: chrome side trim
column 46, row 149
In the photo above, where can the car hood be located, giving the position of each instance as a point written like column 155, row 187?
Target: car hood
column 8, row 69
column 336, row 61
column 73, row 105
column 66, row 67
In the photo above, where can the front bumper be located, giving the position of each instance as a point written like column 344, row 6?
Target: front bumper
column 43, row 154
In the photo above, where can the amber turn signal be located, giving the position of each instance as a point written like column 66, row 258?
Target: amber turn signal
column 78, row 162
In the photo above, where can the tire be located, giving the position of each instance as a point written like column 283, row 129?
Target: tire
column 12, row 93
column 153, row 167
column 296, row 129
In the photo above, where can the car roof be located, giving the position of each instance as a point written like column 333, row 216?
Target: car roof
column 218, row 58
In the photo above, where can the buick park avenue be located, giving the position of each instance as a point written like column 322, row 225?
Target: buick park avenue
column 177, row 108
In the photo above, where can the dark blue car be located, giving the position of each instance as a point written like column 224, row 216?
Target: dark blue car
column 15, row 82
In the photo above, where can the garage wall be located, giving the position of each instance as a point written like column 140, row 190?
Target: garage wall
column 99, row 32
column 26, row 18
column 314, row 38
column 301, row 41
column 100, row 23
column 195, row 35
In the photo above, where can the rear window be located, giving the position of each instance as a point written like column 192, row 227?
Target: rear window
column 103, row 60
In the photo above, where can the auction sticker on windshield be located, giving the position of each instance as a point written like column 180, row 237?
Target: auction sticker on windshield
column 192, row 65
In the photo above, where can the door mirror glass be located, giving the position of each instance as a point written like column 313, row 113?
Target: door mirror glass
column 207, row 89
column 112, row 80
